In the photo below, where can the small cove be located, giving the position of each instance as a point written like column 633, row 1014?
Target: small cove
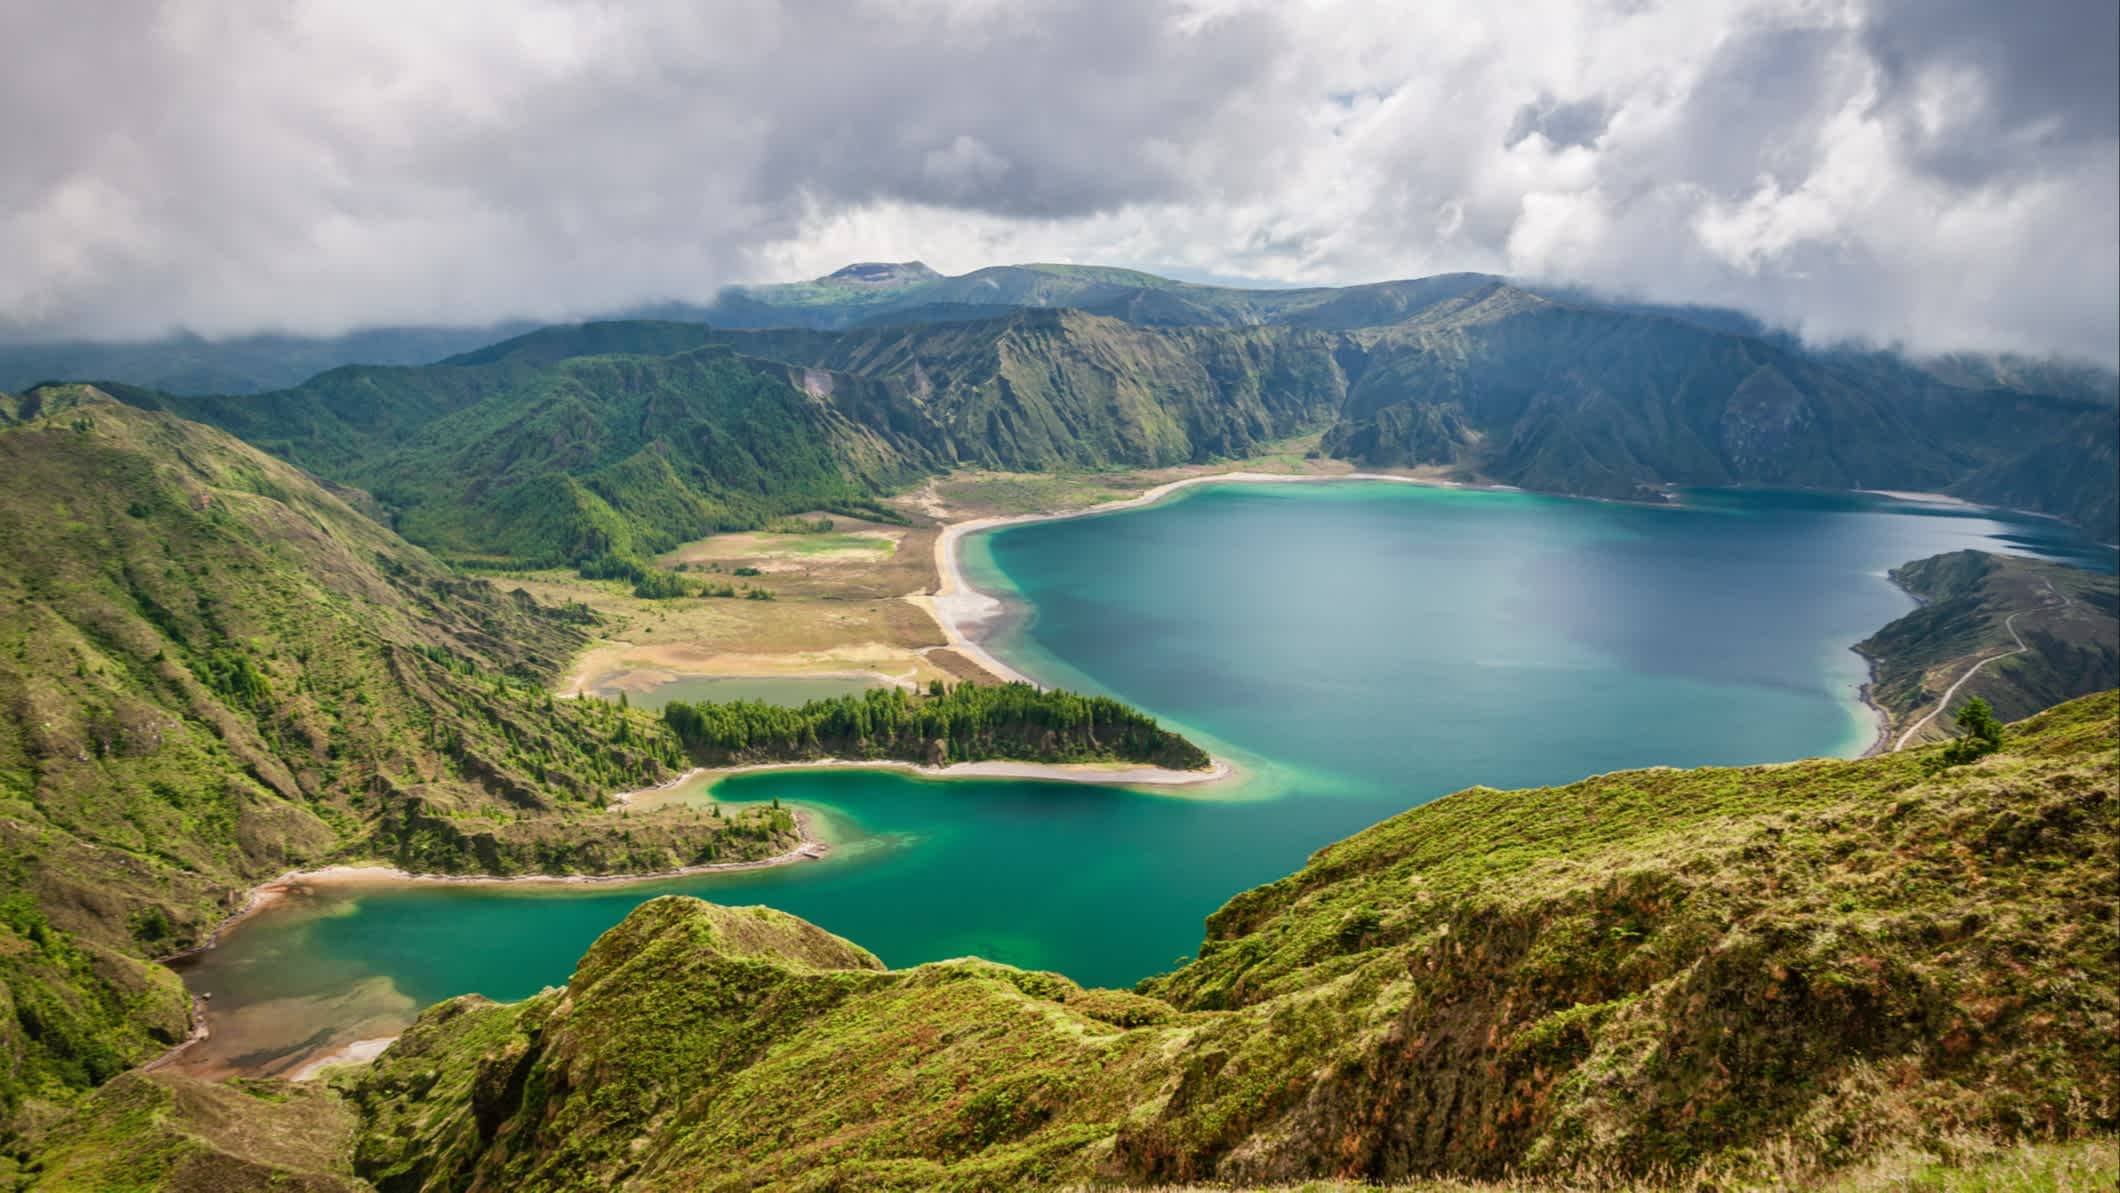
column 1358, row 648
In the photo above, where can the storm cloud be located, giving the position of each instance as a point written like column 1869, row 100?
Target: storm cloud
column 1934, row 174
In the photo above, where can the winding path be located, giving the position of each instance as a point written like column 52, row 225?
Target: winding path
column 2008, row 623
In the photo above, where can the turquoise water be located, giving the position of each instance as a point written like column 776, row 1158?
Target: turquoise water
column 772, row 689
column 1358, row 648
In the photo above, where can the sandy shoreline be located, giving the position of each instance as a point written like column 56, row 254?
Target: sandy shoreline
column 1879, row 716
column 1882, row 715
column 962, row 610
column 271, row 893
column 359, row 1052
column 1110, row 774
column 274, row 891
column 294, row 881
column 1935, row 499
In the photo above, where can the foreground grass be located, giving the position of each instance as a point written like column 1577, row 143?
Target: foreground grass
column 1825, row 971
column 2083, row 1166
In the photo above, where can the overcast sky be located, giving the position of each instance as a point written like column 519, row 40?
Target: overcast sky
column 1940, row 173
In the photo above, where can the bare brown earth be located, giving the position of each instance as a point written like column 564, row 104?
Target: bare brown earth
column 835, row 611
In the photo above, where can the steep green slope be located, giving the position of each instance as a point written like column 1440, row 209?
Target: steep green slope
column 149, row 1131
column 1471, row 373
column 629, row 454
column 1762, row 974
column 553, row 455
column 1566, row 392
column 212, row 669
column 1039, row 390
column 1575, row 399
column 545, row 449
column 2068, row 473
column 1976, row 606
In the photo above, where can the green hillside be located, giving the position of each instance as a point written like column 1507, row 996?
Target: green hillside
column 1485, row 378
column 836, row 301
column 1761, row 975
column 212, row 670
column 552, row 460
column 1550, row 388
column 1060, row 389
column 1976, row 606
column 148, row 1131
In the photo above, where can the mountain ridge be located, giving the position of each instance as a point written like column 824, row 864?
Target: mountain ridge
column 531, row 449
column 190, row 364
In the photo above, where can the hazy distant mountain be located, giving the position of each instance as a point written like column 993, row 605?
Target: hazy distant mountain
column 625, row 435
column 249, row 364
column 899, row 293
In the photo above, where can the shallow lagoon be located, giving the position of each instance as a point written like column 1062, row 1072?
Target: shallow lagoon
column 1358, row 648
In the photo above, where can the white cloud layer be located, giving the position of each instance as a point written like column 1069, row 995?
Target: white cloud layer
column 1936, row 173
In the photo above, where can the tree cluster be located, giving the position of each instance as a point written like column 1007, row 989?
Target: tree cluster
column 965, row 723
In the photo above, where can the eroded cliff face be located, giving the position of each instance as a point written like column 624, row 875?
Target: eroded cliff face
column 1762, row 972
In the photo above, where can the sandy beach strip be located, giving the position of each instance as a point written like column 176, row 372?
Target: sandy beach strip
column 1110, row 774
column 1925, row 498
column 1880, row 716
column 359, row 875
column 359, row 1052
column 962, row 611
column 274, row 891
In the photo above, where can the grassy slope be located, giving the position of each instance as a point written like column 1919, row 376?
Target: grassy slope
column 573, row 441
column 1574, row 394
column 1592, row 400
column 212, row 670
column 147, row 1131
column 1771, row 972
column 1485, row 377
column 529, row 457
column 2066, row 616
column 1047, row 389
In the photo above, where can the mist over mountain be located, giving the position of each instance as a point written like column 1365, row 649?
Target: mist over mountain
column 1936, row 176
column 634, row 435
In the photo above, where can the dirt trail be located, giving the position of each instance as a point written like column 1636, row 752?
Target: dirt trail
column 2008, row 623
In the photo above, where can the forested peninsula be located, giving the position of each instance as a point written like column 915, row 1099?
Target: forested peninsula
column 964, row 723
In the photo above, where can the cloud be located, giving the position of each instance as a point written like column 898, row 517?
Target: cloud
column 1940, row 174
column 1574, row 122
